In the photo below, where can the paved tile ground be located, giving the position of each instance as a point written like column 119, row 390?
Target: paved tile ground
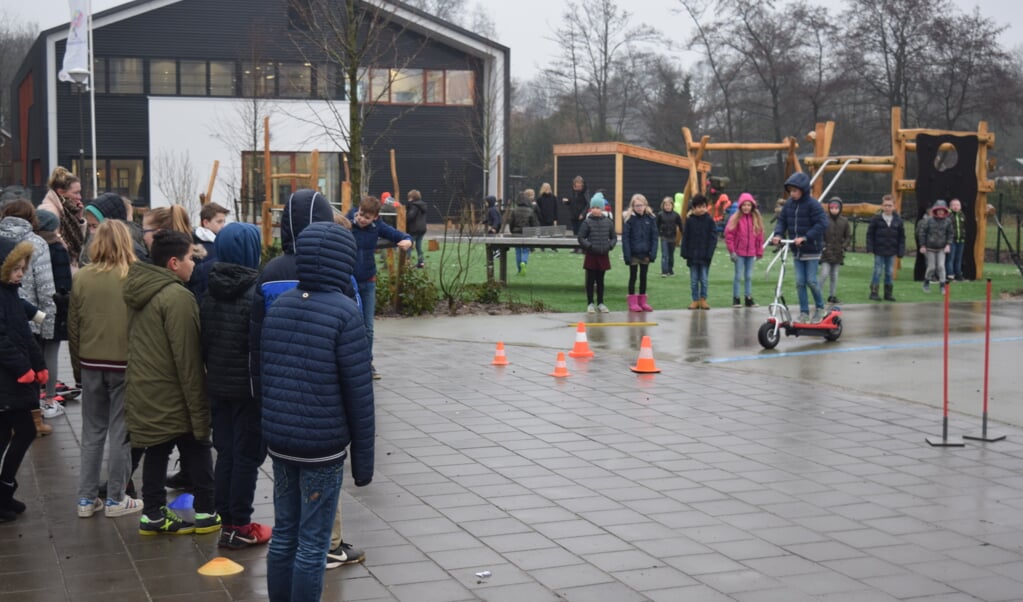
column 697, row 483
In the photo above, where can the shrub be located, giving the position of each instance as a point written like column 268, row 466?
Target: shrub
column 417, row 294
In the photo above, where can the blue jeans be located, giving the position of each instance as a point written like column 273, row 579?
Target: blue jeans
column 883, row 265
column 743, row 273
column 238, row 439
column 954, row 260
column 521, row 256
column 305, row 499
column 667, row 256
column 698, row 280
column 368, row 294
column 418, row 240
column 806, row 276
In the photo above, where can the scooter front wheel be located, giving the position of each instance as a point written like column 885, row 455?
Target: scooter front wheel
column 768, row 335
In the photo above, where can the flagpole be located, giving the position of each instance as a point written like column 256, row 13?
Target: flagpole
column 92, row 105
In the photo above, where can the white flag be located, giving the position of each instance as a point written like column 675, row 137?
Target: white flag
column 76, row 56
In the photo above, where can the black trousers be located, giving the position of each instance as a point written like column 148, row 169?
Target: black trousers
column 17, row 432
column 196, row 461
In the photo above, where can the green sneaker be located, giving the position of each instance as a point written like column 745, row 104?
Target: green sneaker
column 168, row 523
column 206, row 523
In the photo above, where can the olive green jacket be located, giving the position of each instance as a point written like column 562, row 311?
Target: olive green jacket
column 165, row 395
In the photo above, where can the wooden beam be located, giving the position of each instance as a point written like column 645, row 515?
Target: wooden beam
column 859, row 167
column 904, row 185
column 693, row 184
column 747, row 146
column 876, row 160
column 209, row 186
column 394, row 177
column 314, row 170
column 911, row 134
column 619, row 190
column 899, row 154
column 980, row 206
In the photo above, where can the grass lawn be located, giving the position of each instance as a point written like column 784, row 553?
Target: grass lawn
column 557, row 280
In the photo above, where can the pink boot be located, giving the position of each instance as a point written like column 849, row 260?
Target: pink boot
column 643, row 304
column 634, row 303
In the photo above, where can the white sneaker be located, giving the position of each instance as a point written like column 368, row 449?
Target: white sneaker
column 52, row 410
column 603, row 309
column 591, row 309
column 128, row 505
column 87, row 507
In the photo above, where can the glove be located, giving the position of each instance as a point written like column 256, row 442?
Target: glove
column 733, row 257
column 42, row 376
column 28, row 377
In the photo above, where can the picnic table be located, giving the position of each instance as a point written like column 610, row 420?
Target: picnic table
column 499, row 245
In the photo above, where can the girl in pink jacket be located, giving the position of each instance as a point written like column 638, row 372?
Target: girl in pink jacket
column 744, row 235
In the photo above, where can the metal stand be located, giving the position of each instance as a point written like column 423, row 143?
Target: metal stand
column 945, row 441
column 983, row 436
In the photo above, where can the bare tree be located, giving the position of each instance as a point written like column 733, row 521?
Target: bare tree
column 175, row 178
column 15, row 40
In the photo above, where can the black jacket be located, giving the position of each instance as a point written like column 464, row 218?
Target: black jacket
column 19, row 352
column 522, row 216
column 415, row 218
column 597, row 235
column 224, row 315
column 668, row 224
column 547, row 209
column 885, row 240
column 700, row 239
column 60, row 261
column 578, row 204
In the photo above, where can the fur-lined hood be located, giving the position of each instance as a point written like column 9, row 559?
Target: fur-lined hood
column 11, row 253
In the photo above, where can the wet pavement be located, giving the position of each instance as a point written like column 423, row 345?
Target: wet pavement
column 736, row 473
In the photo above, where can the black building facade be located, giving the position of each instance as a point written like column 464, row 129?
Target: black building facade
column 180, row 84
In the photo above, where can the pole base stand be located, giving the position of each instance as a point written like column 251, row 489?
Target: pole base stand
column 945, row 442
column 988, row 437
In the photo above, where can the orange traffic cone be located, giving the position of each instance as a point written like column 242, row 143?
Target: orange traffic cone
column 645, row 363
column 499, row 358
column 582, row 346
column 560, row 367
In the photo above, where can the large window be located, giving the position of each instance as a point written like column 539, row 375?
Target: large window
column 258, row 80
column 407, row 86
column 458, row 88
column 435, row 87
column 296, row 80
column 193, row 78
column 222, row 78
column 329, row 176
column 123, row 176
column 163, row 77
column 416, row 86
column 380, row 85
column 125, row 76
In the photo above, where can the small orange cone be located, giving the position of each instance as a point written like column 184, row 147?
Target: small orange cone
column 582, row 346
column 645, row 363
column 220, row 567
column 499, row 358
column 560, row 367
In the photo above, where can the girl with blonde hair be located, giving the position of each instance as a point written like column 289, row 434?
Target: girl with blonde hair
column 744, row 236
column 98, row 341
column 64, row 199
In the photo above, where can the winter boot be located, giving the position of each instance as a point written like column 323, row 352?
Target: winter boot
column 888, row 292
column 42, row 429
column 750, row 302
column 643, row 304
column 873, row 293
column 634, row 303
column 703, row 303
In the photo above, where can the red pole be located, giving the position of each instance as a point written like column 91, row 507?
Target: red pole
column 987, row 349
column 944, row 428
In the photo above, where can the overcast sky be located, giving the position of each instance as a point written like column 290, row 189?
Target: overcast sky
column 525, row 25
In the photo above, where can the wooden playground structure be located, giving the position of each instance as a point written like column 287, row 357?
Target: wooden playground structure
column 903, row 142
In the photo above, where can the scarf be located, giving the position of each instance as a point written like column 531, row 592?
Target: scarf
column 71, row 231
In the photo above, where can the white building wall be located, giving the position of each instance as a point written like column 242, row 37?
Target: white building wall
column 204, row 130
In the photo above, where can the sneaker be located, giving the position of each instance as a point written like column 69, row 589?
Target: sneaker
column 927, row 286
column 522, row 269
column 236, row 538
column 591, row 309
column 603, row 308
column 51, row 410
column 750, row 302
column 421, row 265
column 68, row 392
column 941, row 289
column 736, row 302
column 206, row 523
column 818, row 315
column 87, row 507
column 344, row 554
column 128, row 505
column 664, row 274
column 803, row 318
column 167, row 522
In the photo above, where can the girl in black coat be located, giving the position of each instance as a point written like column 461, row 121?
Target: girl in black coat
column 21, row 371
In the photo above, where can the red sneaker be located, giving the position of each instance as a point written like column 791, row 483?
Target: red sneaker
column 252, row 534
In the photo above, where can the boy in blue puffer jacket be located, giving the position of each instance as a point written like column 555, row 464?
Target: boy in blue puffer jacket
column 317, row 396
column 803, row 219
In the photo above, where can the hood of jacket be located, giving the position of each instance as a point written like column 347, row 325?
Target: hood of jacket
column 491, row 201
column 939, row 205
column 239, row 243
column 107, row 206
column 144, row 281
column 801, row 181
column 304, row 207
column 325, row 257
column 15, row 228
column 228, row 281
column 11, row 252
column 835, row 199
column 744, row 197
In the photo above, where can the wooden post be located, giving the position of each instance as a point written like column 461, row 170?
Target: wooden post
column 500, row 181
column 346, row 186
column 980, row 208
column 314, row 170
column 692, row 186
column 209, row 186
column 619, row 190
column 394, row 177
